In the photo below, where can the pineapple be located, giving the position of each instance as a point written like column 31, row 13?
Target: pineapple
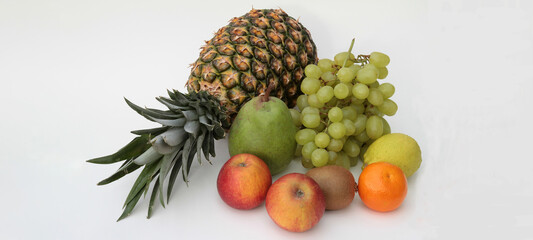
column 264, row 49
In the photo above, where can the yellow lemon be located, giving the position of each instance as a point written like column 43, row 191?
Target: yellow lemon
column 397, row 149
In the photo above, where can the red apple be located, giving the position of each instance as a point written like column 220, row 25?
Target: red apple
column 243, row 181
column 295, row 202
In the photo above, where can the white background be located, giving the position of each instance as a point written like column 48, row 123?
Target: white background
column 462, row 71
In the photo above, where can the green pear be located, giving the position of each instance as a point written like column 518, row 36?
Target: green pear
column 264, row 127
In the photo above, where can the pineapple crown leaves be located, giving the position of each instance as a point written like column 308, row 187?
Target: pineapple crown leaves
column 188, row 129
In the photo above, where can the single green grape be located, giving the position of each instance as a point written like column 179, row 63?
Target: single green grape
column 358, row 143
column 313, row 71
column 298, row 151
column 360, row 124
column 375, row 97
column 328, row 76
column 388, row 107
column 337, row 130
column 340, row 57
column 306, row 163
column 372, row 66
column 320, row 127
column 356, row 101
column 374, row 84
column 341, row 91
column 373, row 110
column 353, row 161
column 351, row 148
column 346, row 74
column 387, row 90
column 310, row 110
column 332, row 158
column 383, row 73
column 386, row 127
column 322, row 140
column 360, row 91
column 350, row 86
column 333, row 83
column 343, row 160
column 379, row 59
column 335, row 114
column 326, row 65
column 349, row 112
column 304, row 136
column 307, row 149
column 350, row 126
column 311, row 120
column 359, row 108
column 320, row 157
column 355, row 68
column 332, row 102
column 301, row 102
column 343, row 139
column 310, row 85
column 363, row 151
column 362, row 137
column 295, row 117
column 324, row 94
column 314, row 102
column 335, row 145
column 367, row 75
column 374, row 127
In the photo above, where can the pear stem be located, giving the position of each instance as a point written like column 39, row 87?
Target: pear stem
column 267, row 92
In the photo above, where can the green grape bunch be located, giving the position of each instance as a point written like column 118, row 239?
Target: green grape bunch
column 341, row 110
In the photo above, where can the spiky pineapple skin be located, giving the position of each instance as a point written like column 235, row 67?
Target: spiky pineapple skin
column 255, row 50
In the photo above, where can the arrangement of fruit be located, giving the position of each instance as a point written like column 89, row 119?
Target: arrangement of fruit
column 339, row 127
column 247, row 81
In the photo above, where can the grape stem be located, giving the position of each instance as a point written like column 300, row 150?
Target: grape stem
column 349, row 51
column 362, row 59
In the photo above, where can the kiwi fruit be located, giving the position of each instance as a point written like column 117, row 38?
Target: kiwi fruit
column 337, row 184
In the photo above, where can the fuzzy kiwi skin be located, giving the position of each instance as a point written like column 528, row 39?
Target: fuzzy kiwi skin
column 337, row 183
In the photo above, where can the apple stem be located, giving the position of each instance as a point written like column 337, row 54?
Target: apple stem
column 299, row 193
column 267, row 92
